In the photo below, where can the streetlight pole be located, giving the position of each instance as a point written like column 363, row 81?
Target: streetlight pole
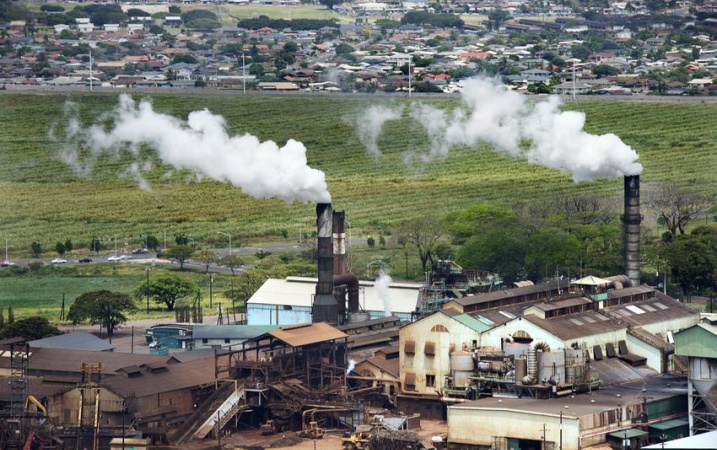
column 561, row 430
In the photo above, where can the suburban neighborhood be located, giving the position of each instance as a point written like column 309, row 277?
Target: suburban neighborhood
column 538, row 47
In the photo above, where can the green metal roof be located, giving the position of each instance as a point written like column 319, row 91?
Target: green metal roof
column 669, row 424
column 628, row 434
column 698, row 341
column 472, row 323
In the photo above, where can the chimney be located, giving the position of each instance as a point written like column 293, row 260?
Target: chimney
column 631, row 220
column 339, row 235
column 325, row 308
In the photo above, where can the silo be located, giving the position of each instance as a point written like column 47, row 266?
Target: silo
column 462, row 367
column 552, row 365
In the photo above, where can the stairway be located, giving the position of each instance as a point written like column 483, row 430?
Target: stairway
column 228, row 399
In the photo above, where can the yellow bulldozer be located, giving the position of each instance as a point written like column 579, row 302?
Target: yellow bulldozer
column 313, row 431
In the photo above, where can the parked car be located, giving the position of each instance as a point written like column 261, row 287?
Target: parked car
column 86, row 259
column 140, row 251
column 7, row 263
column 59, row 261
column 114, row 258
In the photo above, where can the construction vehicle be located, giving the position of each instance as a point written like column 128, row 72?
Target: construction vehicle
column 268, row 427
column 358, row 440
column 313, row 431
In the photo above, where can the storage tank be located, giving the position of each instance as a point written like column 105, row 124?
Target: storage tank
column 552, row 365
column 462, row 360
column 515, row 349
column 570, row 374
column 462, row 367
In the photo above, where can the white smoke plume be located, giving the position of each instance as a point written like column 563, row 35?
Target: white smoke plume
column 538, row 132
column 370, row 124
column 382, row 284
column 352, row 366
column 200, row 144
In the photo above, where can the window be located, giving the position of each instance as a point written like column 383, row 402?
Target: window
column 439, row 328
column 205, row 340
column 429, row 349
column 410, row 381
column 226, row 341
column 409, row 347
column 430, row 381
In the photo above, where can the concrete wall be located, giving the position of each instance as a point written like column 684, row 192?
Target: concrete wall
column 481, row 427
column 437, row 365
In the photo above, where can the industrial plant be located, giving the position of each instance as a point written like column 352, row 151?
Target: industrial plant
column 565, row 364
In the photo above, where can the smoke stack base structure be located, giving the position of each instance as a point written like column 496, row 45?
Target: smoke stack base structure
column 325, row 308
column 631, row 220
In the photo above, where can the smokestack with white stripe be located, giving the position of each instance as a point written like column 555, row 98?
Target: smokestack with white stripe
column 631, row 220
column 325, row 308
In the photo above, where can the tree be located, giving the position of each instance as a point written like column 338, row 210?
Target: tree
column 675, row 207
column 151, row 242
column 207, row 258
column 30, row 329
column 423, row 233
column 167, row 288
column 329, row 4
column 104, row 308
column 68, row 246
column 36, row 249
column 180, row 252
column 692, row 259
column 60, row 248
column 233, row 262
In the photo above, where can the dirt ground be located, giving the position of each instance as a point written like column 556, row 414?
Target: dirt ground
column 331, row 441
column 130, row 339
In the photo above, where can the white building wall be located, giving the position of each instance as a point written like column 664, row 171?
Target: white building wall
column 439, row 364
column 479, row 426
column 640, row 347
column 260, row 314
column 672, row 325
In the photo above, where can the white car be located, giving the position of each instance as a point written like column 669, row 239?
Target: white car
column 59, row 261
column 114, row 258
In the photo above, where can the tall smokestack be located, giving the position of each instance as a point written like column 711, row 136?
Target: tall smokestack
column 339, row 228
column 631, row 220
column 325, row 308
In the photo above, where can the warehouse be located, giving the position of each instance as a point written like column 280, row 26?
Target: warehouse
column 288, row 301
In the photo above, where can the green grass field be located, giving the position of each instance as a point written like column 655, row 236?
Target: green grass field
column 42, row 199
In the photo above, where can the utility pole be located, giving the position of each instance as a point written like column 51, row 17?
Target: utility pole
column 561, row 431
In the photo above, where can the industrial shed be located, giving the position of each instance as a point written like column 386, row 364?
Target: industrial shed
column 288, row 301
column 568, row 423
column 217, row 336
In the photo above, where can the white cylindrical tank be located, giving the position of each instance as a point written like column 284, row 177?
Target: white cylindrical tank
column 552, row 365
column 461, row 379
column 570, row 374
column 515, row 349
column 461, row 360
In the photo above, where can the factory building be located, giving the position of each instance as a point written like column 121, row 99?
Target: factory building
column 536, row 347
column 636, row 413
column 699, row 344
column 289, row 301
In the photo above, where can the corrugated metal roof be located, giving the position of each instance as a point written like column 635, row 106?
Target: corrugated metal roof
column 390, row 366
column 652, row 310
column 58, row 361
column 173, row 378
column 79, row 340
column 300, row 335
column 508, row 293
column 299, row 291
column 472, row 322
column 231, row 331
column 704, row 441
column 566, row 329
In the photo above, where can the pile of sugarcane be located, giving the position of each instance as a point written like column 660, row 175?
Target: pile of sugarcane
column 388, row 439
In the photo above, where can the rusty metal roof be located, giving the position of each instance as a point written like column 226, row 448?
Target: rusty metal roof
column 510, row 293
column 654, row 310
column 307, row 334
column 59, row 361
column 575, row 326
column 174, row 377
